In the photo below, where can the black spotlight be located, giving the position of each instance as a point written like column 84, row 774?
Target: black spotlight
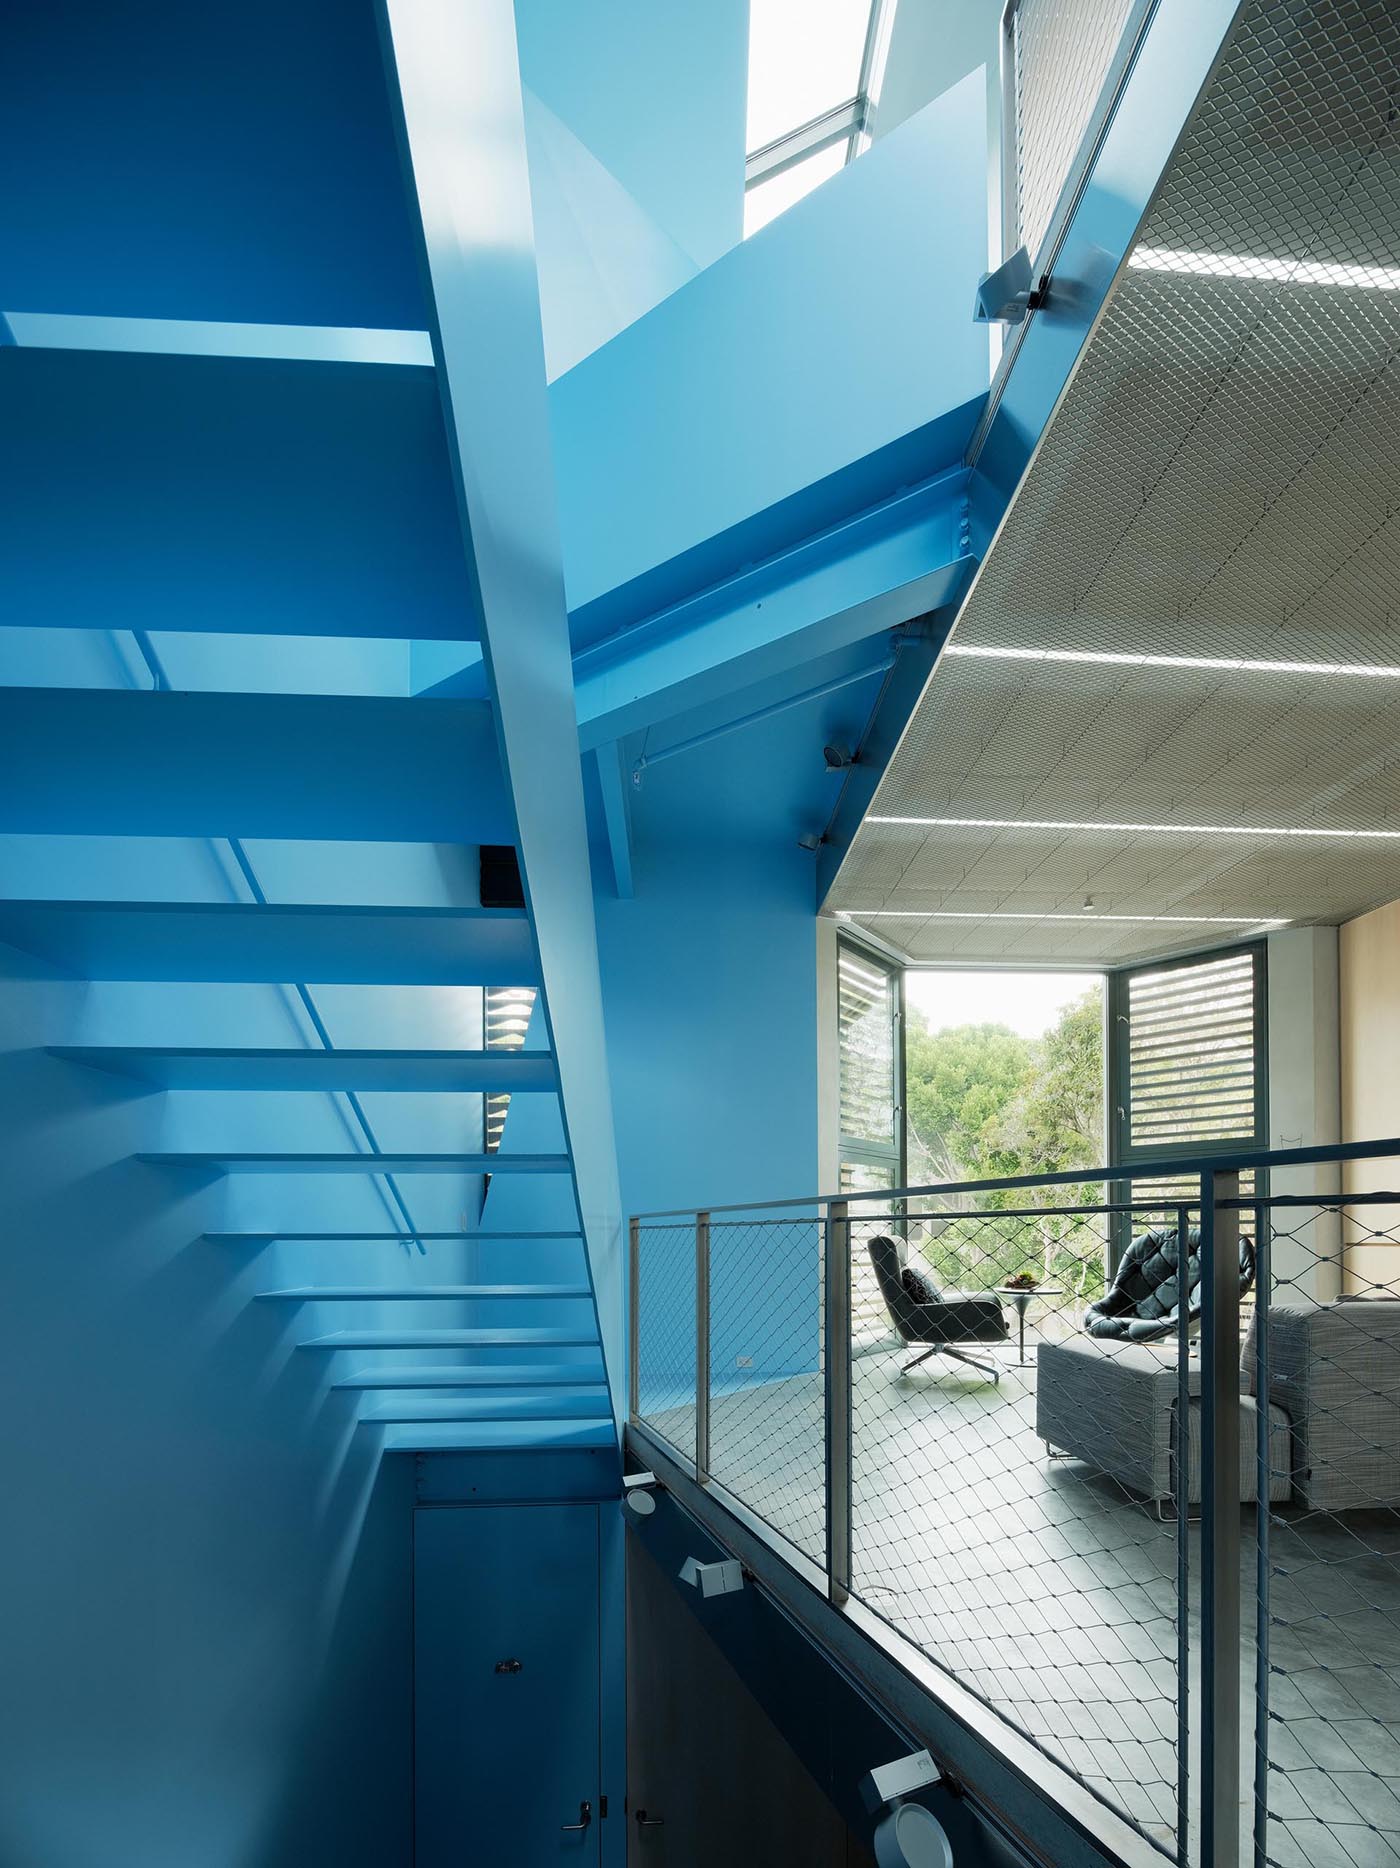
column 837, row 758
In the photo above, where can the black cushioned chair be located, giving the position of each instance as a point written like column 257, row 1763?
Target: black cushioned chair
column 935, row 1322
column 1140, row 1306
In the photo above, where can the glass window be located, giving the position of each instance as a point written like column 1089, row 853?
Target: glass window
column 804, row 58
column 766, row 200
column 867, row 1009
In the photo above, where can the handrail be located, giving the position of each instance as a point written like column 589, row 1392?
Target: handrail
column 1176, row 1166
column 806, row 1401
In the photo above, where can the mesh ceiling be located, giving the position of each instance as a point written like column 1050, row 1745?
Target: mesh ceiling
column 1061, row 52
column 1221, row 480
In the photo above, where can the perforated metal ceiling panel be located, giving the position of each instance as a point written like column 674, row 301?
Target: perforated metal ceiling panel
column 1221, row 482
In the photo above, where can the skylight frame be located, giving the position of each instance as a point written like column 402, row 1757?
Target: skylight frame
column 851, row 121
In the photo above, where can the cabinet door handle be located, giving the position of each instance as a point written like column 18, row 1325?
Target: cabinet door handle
column 585, row 1814
column 650, row 1822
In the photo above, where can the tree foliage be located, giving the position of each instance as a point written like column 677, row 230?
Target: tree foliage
column 983, row 1102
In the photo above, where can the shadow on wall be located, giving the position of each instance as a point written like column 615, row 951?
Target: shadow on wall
column 206, row 1565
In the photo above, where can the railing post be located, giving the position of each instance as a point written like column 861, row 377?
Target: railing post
column 1263, row 1507
column 702, row 1347
column 1181, row 1478
column 836, row 1320
column 1220, row 1521
column 634, row 1321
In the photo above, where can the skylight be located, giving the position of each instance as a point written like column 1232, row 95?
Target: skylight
column 814, row 73
column 804, row 59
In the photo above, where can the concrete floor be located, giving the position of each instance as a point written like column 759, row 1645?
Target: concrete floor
column 1051, row 1593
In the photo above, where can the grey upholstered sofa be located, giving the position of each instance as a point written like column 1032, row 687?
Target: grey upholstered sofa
column 1334, row 1419
column 1335, row 1368
column 1115, row 1405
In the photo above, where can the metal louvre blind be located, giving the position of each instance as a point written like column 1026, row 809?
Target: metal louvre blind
column 1189, row 1056
column 872, row 1116
column 506, row 1016
column 867, row 1002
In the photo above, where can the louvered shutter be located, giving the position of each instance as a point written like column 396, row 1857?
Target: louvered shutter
column 1190, row 1063
column 868, row 1016
column 867, row 1007
column 1192, row 1068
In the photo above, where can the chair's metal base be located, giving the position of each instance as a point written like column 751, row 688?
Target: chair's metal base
column 958, row 1355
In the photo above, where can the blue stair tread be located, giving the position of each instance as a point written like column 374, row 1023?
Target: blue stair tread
column 545, row 1404
column 376, row 1293
column 246, row 941
column 297, row 1163
column 227, row 1068
column 402, row 1238
column 553, row 1338
column 502, row 1377
column 496, row 1435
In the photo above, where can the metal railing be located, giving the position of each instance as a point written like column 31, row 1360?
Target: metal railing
column 1061, row 62
column 1159, row 1540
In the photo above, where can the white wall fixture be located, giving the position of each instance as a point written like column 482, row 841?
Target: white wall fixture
column 636, row 1493
column 713, row 1579
column 908, row 1836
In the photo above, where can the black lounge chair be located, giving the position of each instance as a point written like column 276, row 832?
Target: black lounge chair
column 1140, row 1306
column 935, row 1322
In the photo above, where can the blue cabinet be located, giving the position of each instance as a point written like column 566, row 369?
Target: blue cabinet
column 506, row 1686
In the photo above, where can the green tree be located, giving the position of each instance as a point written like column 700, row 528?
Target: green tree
column 958, row 1086
column 983, row 1102
column 1055, row 1121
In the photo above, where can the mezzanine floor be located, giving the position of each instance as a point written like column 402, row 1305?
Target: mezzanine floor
column 1052, row 1594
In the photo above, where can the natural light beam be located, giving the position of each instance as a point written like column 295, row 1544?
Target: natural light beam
column 1319, row 832
column 1370, row 671
column 1273, row 271
column 1002, row 914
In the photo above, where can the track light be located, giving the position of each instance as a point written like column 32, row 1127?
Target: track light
column 837, row 758
column 908, row 1835
column 811, row 841
column 636, row 1493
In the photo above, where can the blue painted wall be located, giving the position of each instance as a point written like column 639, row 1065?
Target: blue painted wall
column 709, row 980
column 206, row 1566
column 838, row 331
column 656, row 90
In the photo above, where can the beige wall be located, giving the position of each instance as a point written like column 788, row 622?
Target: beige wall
column 1370, row 1026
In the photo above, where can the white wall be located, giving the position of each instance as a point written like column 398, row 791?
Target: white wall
column 1305, row 1106
column 1370, row 1073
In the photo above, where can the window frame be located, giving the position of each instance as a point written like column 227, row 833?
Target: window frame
column 1119, row 1058
column 857, row 1151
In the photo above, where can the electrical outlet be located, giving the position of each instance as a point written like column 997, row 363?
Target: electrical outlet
column 743, row 1362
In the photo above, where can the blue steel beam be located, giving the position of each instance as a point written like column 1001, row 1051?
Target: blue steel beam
column 454, row 75
column 868, row 574
column 613, row 784
column 1178, row 44
column 100, row 760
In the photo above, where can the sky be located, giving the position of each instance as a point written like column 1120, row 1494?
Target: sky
column 1029, row 1003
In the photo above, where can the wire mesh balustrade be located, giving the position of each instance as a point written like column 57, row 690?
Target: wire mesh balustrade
column 1023, row 1468
column 1324, row 1350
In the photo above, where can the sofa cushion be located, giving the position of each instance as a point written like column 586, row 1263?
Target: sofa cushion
column 919, row 1287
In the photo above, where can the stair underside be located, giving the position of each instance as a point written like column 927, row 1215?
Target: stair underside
column 297, row 1163
column 408, row 1293
column 507, row 1072
column 561, row 1337
column 213, row 942
column 496, row 1436
column 503, row 1378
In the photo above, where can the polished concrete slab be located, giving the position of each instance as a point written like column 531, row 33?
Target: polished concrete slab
column 1052, row 1593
